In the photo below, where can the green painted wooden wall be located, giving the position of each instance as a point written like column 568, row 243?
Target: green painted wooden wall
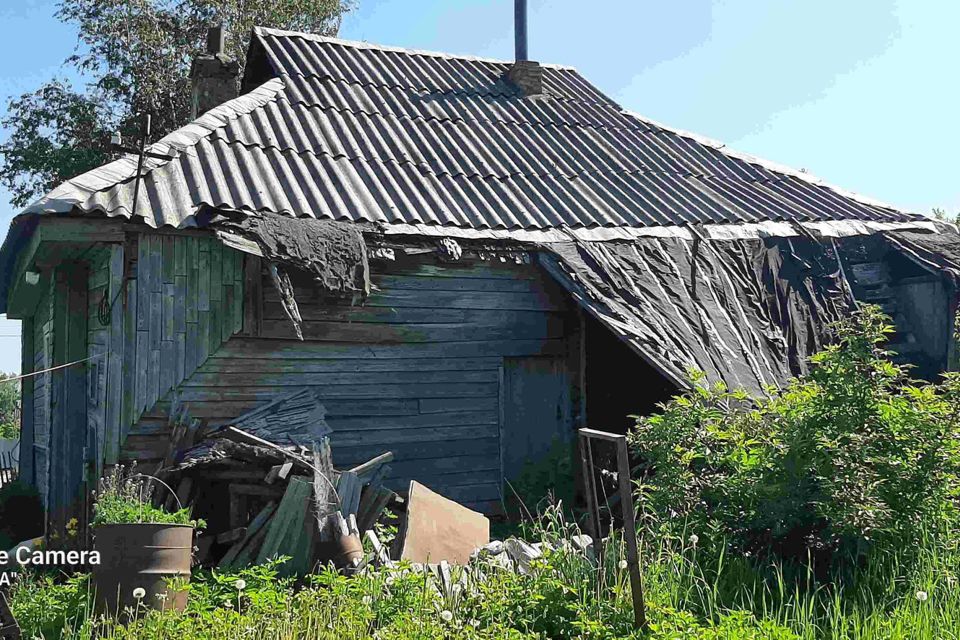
column 179, row 298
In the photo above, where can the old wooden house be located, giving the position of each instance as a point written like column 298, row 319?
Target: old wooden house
column 466, row 259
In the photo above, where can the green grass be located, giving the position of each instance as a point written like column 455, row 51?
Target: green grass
column 564, row 596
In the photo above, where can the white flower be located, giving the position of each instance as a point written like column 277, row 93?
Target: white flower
column 139, row 593
column 694, row 539
column 446, row 615
column 622, row 565
column 161, row 596
column 922, row 596
column 240, row 584
column 367, row 600
column 474, row 622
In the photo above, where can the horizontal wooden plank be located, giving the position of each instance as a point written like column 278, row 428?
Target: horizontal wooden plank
column 239, row 347
column 144, row 447
column 367, row 407
column 451, row 418
column 441, row 405
column 455, row 283
column 463, row 270
column 464, row 494
column 495, row 300
column 440, row 481
column 226, row 364
column 408, row 315
column 306, row 379
column 445, row 465
column 217, row 394
column 384, row 438
column 351, row 455
column 538, row 326
column 150, row 427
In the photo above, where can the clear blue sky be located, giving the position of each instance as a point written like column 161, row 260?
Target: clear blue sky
column 862, row 93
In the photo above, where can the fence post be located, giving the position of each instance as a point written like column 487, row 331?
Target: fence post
column 626, row 504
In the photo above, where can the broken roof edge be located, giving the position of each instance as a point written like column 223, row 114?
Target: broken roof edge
column 770, row 165
column 361, row 44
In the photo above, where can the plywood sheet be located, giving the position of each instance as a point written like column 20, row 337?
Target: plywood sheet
column 441, row 529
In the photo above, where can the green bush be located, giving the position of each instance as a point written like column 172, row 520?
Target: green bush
column 849, row 460
column 45, row 606
column 125, row 498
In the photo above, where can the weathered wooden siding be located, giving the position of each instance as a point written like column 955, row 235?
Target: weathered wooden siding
column 155, row 307
column 186, row 307
column 98, row 348
column 414, row 370
column 42, row 359
column 27, row 473
column 186, row 300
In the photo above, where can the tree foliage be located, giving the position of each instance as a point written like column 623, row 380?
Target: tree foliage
column 852, row 459
column 137, row 55
column 9, row 406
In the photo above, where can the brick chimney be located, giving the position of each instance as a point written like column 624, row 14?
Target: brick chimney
column 525, row 73
column 528, row 76
column 214, row 76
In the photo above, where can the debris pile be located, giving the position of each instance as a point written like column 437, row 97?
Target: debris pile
column 266, row 485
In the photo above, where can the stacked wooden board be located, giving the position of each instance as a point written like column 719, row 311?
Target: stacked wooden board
column 281, row 500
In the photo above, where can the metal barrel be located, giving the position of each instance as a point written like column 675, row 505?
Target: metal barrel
column 141, row 556
column 344, row 552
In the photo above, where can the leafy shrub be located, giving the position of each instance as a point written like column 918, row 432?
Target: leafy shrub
column 45, row 607
column 125, row 498
column 9, row 406
column 849, row 460
column 545, row 480
column 257, row 587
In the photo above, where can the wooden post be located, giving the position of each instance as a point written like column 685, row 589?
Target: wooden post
column 630, row 532
column 589, row 491
column 626, row 503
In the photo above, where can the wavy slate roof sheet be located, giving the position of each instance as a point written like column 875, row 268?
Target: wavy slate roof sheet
column 356, row 132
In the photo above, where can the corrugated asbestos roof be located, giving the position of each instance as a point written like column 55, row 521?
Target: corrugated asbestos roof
column 356, row 132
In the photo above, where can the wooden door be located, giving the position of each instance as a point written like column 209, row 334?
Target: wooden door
column 68, row 411
column 536, row 411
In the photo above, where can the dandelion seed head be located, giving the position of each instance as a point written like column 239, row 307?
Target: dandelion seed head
column 622, row 565
column 446, row 615
column 139, row 593
column 694, row 539
column 922, row 596
column 240, row 584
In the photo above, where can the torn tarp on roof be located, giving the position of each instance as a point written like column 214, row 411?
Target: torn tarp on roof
column 747, row 312
column 333, row 253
